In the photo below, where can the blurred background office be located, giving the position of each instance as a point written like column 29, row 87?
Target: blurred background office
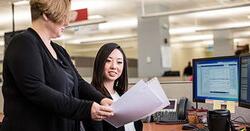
column 157, row 35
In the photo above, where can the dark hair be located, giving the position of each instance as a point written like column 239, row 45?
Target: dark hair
column 121, row 84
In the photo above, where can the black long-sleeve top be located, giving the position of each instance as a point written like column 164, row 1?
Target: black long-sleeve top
column 36, row 88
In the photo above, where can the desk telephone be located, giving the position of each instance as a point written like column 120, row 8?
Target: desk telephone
column 172, row 114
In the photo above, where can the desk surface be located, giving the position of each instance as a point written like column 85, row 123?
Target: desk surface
column 157, row 127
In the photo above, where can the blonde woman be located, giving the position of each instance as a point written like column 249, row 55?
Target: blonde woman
column 42, row 89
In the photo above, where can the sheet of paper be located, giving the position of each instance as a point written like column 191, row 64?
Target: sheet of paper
column 138, row 102
column 231, row 106
column 156, row 88
column 217, row 104
column 209, row 101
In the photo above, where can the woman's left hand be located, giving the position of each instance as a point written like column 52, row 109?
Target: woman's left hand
column 100, row 112
column 106, row 102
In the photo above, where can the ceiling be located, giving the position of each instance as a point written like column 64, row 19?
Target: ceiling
column 189, row 21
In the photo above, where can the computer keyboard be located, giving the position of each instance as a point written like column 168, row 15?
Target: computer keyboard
column 164, row 117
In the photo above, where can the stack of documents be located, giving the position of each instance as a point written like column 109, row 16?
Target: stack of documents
column 143, row 99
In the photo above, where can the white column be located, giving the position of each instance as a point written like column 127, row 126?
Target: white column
column 152, row 33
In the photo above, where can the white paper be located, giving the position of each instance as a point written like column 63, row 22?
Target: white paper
column 143, row 99
column 156, row 88
column 166, row 56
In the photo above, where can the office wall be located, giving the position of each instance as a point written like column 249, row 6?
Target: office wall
column 181, row 56
column 84, row 66
column 89, row 49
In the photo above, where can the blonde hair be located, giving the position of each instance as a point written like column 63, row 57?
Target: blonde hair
column 56, row 10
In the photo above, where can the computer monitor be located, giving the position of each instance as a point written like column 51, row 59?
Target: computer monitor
column 244, row 96
column 216, row 78
column 172, row 107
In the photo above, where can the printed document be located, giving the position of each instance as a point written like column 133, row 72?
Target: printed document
column 141, row 100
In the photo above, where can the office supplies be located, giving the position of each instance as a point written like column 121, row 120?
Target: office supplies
column 143, row 99
column 172, row 114
column 189, row 126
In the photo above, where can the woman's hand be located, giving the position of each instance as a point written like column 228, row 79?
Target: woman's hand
column 99, row 112
column 106, row 102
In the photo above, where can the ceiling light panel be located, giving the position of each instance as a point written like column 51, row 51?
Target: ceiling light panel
column 184, row 30
column 188, row 38
column 221, row 12
column 119, row 24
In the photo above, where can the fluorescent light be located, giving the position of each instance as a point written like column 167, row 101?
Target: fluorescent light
column 237, row 40
column 241, row 41
column 92, row 5
column 237, row 24
column 184, row 30
column 191, row 38
column 177, row 45
column 119, row 24
column 101, row 38
column 86, row 22
column 1, row 42
column 242, row 34
column 95, row 17
column 205, row 43
column 221, row 12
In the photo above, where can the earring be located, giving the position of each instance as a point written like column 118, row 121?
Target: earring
column 116, row 84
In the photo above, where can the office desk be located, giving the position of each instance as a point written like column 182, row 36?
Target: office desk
column 157, row 127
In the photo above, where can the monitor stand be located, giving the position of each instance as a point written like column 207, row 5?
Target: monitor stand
column 196, row 105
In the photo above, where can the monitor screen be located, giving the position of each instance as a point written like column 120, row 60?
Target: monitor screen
column 244, row 98
column 172, row 107
column 216, row 78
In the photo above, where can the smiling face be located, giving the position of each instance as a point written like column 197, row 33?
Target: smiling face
column 114, row 66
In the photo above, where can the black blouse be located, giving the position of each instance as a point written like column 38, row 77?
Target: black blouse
column 69, row 77
column 38, row 91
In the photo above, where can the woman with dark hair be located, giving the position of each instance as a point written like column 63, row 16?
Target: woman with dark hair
column 111, row 79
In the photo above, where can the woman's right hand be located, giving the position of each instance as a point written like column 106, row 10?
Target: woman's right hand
column 99, row 112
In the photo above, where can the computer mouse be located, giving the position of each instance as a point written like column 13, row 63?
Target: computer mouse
column 188, row 126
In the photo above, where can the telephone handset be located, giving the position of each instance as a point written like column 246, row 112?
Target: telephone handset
column 182, row 108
